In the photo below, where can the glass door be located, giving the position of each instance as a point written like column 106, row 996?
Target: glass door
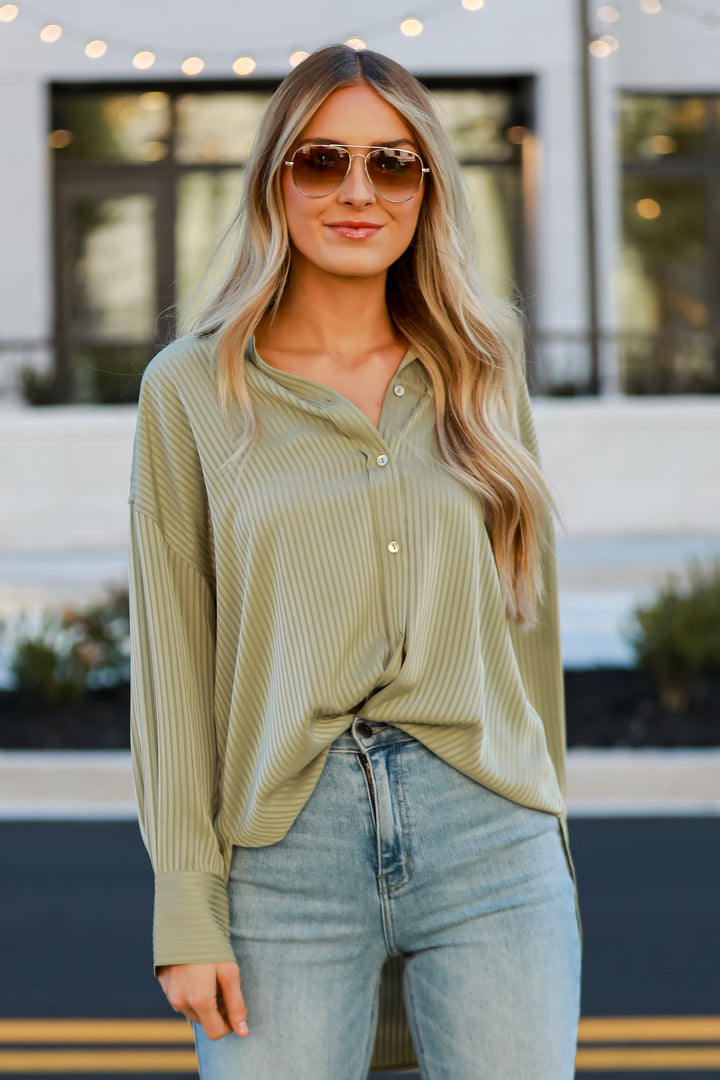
column 114, row 251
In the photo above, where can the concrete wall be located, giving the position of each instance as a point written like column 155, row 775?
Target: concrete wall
column 619, row 467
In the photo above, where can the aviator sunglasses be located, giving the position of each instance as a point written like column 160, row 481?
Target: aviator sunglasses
column 319, row 170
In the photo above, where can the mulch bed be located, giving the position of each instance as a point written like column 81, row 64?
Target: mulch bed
column 605, row 707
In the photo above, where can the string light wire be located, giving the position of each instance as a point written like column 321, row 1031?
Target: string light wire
column 90, row 42
column 72, row 31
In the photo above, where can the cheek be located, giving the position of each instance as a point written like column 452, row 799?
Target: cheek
column 410, row 220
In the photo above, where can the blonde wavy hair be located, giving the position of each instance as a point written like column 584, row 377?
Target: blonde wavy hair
column 470, row 341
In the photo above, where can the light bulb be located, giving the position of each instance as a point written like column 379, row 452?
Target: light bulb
column 411, row 27
column 244, row 65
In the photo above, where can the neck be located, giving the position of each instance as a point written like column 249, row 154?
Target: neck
column 326, row 313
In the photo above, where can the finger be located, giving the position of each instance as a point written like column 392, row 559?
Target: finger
column 211, row 1019
column 232, row 1003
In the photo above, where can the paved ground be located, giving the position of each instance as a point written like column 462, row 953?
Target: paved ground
column 75, row 942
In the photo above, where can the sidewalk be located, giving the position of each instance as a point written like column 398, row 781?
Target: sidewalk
column 90, row 784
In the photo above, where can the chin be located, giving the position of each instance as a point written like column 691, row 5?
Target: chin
column 356, row 264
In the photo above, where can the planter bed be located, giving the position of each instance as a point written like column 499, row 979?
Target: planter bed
column 605, row 707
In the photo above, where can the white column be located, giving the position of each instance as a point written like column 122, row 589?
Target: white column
column 25, row 218
column 560, row 254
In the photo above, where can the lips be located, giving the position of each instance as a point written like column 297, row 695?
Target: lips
column 354, row 230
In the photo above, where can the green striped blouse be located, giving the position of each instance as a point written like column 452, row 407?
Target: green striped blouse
column 340, row 571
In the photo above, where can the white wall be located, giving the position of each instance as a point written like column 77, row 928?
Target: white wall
column 619, row 467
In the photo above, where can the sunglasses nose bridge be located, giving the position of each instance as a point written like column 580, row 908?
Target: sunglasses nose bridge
column 364, row 170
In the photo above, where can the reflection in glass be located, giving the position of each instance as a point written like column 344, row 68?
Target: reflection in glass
column 108, row 374
column 495, row 200
column 218, row 127
column 113, row 127
column 113, row 267
column 660, row 125
column 112, row 273
column 206, row 204
column 663, row 285
column 476, row 121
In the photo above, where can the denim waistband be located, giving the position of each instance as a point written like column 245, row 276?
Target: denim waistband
column 363, row 734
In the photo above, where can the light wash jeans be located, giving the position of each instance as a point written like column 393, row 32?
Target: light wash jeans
column 473, row 889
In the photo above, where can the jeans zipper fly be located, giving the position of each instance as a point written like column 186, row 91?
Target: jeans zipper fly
column 368, row 774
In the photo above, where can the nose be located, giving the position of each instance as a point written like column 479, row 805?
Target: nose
column 356, row 189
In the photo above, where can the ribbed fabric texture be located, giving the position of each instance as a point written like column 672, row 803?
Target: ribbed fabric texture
column 339, row 570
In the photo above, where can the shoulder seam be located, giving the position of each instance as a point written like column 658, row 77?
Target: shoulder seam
column 183, row 559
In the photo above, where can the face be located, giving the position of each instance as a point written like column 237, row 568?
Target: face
column 353, row 231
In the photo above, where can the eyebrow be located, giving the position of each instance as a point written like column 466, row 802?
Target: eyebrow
column 338, row 142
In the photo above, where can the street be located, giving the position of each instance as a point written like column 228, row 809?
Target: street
column 75, row 941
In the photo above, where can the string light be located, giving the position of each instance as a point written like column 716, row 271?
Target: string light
column 244, row 65
column 411, row 27
column 608, row 14
column 648, row 208
column 192, row 65
column 660, row 144
column 599, row 48
column 143, row 60
column 59, row 139
column 95, row 49
column 517, row 134
column 51, row 32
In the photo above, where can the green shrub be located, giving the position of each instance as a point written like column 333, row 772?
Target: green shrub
column 59, row 658
column 676, row 638
column 39, row 387
column 50, row 666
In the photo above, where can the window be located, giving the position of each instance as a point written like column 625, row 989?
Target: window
column 147, row 180
column 668, row 274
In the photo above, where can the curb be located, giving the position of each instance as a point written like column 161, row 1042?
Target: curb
column 96, row 785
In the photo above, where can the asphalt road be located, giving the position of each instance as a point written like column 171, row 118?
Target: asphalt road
column 75, row 900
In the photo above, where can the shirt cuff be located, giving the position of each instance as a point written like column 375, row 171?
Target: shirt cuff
column 192, row 920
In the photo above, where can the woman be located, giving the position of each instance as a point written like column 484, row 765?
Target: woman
column 347, row 712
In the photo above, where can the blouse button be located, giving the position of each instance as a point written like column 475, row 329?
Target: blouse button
column 382, row 459
column 398, row 391
column 393, row 546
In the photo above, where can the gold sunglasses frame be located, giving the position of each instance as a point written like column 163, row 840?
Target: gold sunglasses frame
column 370, row 149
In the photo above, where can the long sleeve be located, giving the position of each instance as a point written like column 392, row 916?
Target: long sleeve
column 538, row 650
column 172, row 627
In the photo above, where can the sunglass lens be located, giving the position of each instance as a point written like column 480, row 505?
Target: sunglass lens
column 396, row 174
column 318, row 170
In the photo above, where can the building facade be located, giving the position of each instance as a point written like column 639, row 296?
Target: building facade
column 589, row 137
